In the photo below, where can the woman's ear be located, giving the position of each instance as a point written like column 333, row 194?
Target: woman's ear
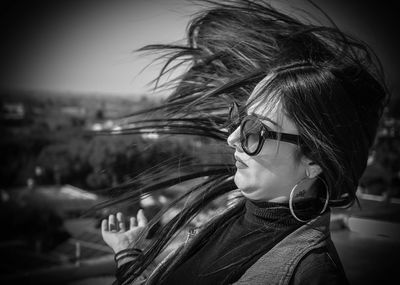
column 312, row 169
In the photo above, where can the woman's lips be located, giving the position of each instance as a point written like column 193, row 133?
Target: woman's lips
column 239, row 163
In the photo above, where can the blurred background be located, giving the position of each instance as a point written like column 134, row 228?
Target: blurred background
column 68, row 68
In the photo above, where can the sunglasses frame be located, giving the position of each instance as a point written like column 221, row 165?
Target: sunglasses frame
column 265, row 133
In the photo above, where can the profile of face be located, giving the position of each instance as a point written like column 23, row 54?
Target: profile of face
column 277, row 168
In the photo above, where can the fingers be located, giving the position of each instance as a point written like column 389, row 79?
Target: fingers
column 112, row 225
column 133, row 222
column 141, row 218
column 104, row 225
column 121, row 221
column 116, row 223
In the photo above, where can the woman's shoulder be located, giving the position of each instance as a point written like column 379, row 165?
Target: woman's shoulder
column 319, row 267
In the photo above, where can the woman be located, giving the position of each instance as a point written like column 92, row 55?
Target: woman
column 305, row 102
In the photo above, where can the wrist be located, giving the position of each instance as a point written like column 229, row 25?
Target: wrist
column 129, row 252
column 124, row 260
column 127, row 255
column 121, row 247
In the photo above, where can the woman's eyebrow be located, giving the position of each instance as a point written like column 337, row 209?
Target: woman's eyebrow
column 267, row 119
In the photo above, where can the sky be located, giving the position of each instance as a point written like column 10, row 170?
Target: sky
column 87, row 46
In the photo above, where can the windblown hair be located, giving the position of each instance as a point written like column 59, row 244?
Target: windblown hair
column 336, row 107
column 331, row 85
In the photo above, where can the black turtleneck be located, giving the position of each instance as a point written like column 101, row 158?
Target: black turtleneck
column 237, row 245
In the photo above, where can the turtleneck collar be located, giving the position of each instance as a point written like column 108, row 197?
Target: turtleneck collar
column 268, row 214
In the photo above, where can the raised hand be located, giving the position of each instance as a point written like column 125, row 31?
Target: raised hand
column 117, row 236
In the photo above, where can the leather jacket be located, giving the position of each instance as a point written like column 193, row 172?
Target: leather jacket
column 306, row 256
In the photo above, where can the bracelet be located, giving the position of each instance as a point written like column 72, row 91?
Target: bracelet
column 129, row 252
column 137, row 256
column 125, row 253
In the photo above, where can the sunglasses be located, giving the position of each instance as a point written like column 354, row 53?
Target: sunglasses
column 253, row 132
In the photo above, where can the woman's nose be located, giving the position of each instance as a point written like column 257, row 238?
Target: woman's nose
column 234, row 139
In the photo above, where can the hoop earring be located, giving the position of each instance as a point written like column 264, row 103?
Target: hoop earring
column 291, row 200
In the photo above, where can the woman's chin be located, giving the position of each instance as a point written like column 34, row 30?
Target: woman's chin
column 239, row 181
column 242, row 182
column 248, row 192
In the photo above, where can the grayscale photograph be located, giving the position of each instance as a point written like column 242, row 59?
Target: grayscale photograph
column 200, row 142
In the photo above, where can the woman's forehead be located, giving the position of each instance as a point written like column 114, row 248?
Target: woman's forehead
column 266, row 102
column 274, row 114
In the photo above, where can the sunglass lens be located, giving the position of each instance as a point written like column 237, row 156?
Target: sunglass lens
column 250, row 135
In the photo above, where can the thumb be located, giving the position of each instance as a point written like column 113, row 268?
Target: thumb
column 141, row 218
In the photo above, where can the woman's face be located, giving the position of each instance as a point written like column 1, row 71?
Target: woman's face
column 277, row 168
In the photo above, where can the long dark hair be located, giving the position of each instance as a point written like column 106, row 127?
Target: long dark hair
column 231, row 47
column 336, row 107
